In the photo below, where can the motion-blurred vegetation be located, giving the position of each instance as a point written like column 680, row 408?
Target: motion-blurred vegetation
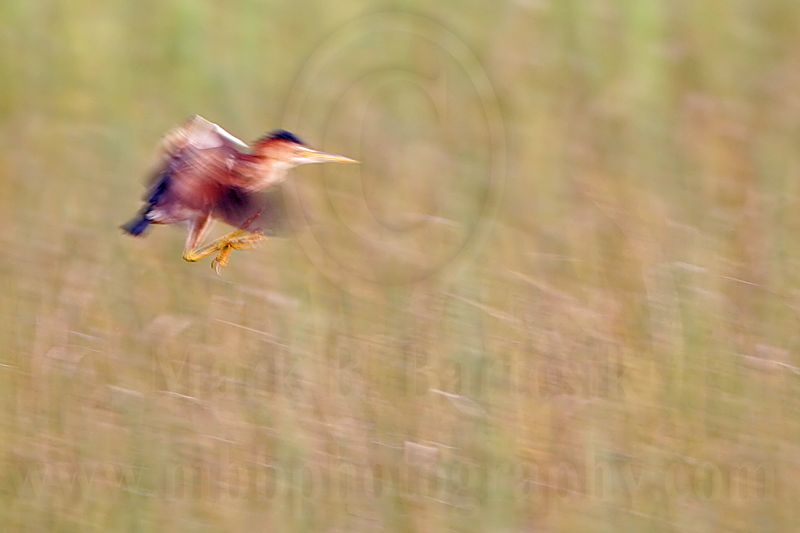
column 613, row 347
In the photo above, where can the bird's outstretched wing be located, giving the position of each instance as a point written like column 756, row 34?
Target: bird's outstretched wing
column 195, row 163
column 199, row 134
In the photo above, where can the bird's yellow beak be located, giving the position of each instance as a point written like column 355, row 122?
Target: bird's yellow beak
column 309, row 155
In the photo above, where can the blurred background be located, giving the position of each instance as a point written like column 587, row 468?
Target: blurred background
column 559, row 294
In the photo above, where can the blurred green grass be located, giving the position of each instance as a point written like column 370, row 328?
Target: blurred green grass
column 617, row 352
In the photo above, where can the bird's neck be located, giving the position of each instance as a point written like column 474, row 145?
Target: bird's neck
column 266, row 172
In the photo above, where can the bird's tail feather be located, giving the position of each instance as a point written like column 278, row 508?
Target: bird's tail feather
column 140, row 222
column 137, row 225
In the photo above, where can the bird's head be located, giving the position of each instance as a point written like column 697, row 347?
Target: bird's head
column 285, row 147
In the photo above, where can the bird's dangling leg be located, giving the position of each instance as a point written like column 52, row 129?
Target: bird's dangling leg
column 237, row 240
column 224, row 246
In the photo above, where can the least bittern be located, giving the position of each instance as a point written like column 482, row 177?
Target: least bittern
column 205, row 173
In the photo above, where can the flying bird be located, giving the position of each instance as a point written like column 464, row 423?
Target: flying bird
column 204, row 173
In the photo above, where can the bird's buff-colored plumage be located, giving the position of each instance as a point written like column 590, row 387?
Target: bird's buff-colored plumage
column 205, row 173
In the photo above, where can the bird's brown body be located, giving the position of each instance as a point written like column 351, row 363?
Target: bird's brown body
column 205, row 173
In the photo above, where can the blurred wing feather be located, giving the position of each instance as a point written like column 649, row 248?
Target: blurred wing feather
column 200, row 134
column 196, row 163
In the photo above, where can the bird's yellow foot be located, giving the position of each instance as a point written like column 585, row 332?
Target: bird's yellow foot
column 237, row 241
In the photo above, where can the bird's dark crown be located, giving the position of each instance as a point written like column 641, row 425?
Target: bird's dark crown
column 281, row 135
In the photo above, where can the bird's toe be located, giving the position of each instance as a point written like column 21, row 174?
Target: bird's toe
column 221, row 261
column 246, row 242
